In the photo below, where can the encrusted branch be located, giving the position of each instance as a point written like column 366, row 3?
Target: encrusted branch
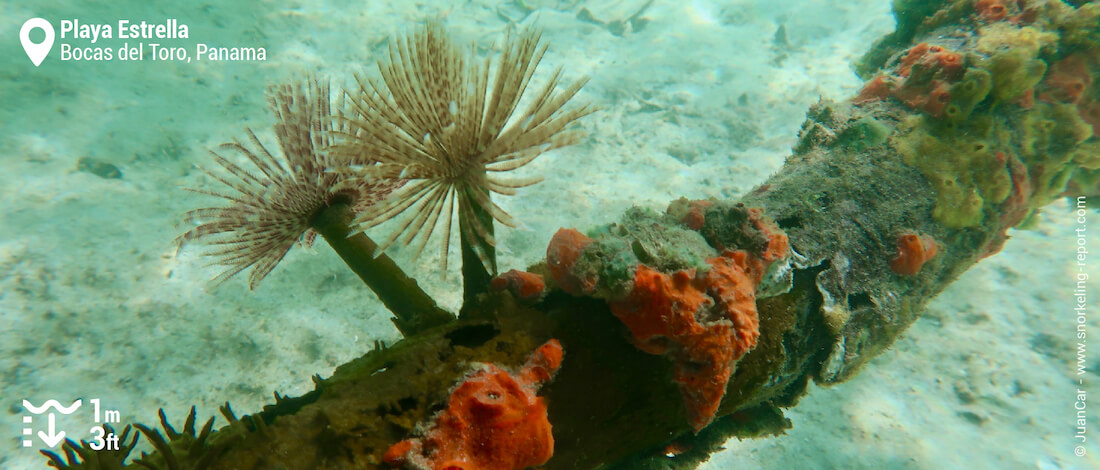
column 684, row 327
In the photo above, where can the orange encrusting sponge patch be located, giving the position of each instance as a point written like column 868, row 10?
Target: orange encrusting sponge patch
column 703, row 317
column 706, row 323
column 493, row 421
column 924, row 80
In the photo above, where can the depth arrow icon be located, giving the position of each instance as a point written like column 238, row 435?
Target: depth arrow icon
column 51, row 439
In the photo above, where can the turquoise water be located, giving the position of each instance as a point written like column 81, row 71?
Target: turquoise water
column 698, row 99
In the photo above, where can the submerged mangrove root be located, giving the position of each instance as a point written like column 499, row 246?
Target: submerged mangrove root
column 975, row 115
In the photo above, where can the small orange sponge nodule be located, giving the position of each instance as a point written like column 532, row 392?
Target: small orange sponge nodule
column 523, row 285
column 1067, row 81
column 561, row 256
column 913, row 251
column 493, row 421
column 991, row 10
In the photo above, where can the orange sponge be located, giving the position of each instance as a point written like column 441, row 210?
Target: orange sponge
column 525, row 286
column 562, row 254
column 493, row 421
column 706, row 323
column 913, row 251
column 991, row 10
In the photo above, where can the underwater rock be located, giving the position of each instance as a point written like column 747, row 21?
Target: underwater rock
column 617, row 17
column 99, row 168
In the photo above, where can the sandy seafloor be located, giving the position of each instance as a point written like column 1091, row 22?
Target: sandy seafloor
column 698, row 103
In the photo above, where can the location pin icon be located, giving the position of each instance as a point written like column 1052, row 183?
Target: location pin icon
column 37, row 52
